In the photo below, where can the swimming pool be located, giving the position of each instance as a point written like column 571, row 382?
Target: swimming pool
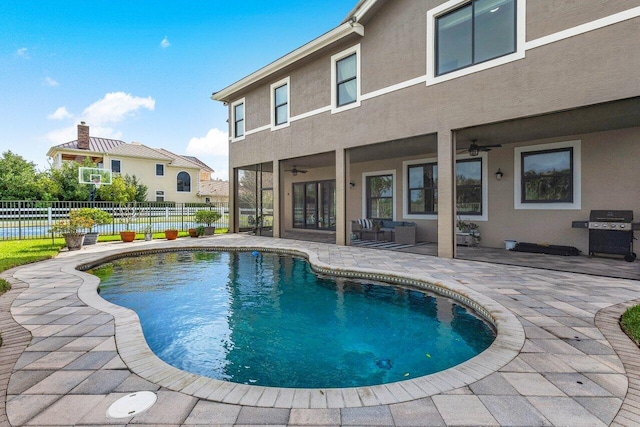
column 269, row 320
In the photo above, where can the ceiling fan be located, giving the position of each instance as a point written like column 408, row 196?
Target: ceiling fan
column 295, row 171
column 475, row 149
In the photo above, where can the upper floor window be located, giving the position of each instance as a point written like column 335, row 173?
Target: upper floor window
column 345, row 78
column 237, row 119
column 547, row 176
column 115, row 166
column 280, row 103
column 159, row 169
column 477, row 31
column 183, row 182
column 159, row 196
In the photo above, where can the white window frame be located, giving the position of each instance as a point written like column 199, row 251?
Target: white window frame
column 484, row 156
column 334, row 79
column 111, row 164
column 391, row 172
column 577, row 176
column 161, row 194
column 164, row 170
column 274, row 86
column 191, row 183
column 443, row 9
column 233, row 120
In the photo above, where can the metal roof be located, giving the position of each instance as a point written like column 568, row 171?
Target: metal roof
column 100, row 145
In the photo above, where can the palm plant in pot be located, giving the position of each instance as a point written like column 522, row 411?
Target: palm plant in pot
column 98, row 216
column 208, row 217
column 72, row 230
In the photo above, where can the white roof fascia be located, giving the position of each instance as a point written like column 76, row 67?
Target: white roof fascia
column 325, row 40
column 360, row 10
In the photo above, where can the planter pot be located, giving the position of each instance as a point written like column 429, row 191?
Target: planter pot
column 148, row 237
column 127, row 236
column 171, row 234
column 510, row 244
column 209, row 231
column 90, row 239
column 193, row 232
column 74, row 241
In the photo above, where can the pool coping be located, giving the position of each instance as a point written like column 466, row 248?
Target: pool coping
column 139, row 358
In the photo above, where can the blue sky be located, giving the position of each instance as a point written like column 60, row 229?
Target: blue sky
column 139, row 70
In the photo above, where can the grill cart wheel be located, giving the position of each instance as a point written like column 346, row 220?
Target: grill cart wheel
column 630, row 257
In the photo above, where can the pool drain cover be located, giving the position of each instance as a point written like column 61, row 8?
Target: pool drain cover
column 132, row 404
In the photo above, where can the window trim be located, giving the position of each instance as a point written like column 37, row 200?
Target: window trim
column 190, row 182
column 452, row 5
column 274, row 86
column 334, row 79
column 161, row 194
column 577, row 175
column 163, row 169
column 484, row 156
column 365, row 175
column 111, row 164
column 235, row 138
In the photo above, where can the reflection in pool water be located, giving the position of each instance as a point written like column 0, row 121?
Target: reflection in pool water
column 268, row 320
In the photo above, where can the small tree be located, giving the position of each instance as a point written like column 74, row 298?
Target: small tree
column 98, row 216
column 207, row 217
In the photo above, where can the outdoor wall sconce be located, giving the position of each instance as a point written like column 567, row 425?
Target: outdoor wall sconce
column 499, row 175
column 352, row 184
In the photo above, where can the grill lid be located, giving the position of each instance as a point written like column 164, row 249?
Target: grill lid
column 611, row 216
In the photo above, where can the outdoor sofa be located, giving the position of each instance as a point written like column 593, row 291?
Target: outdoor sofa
column 403, row 232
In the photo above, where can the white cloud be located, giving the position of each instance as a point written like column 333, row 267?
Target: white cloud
column 60, row 114
column 23, row 52
column 213, row 149
column 165, row 43
column 48, row 81
column 115, row 107
column 215, row 143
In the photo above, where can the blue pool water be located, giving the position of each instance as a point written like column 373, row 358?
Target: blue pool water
column 267, row 319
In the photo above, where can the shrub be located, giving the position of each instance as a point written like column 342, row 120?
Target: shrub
column 98, row 216
column 207, row 217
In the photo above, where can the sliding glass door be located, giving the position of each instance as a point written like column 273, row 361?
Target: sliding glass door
column 314, row 205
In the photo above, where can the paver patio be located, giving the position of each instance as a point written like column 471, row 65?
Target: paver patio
column 561, row 358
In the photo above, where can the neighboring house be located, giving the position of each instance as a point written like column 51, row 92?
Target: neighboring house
column 392, row 114
column 169, row 177
column 214, row 191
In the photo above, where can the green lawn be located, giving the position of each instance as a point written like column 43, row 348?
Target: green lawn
column 631, row 323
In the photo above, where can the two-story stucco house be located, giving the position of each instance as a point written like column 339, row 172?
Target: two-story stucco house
column 521, row 116
column 168, row 176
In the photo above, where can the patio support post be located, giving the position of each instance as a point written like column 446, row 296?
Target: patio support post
column 233, row 226
column 277, row 221
column 446, row 194
column 341, row 205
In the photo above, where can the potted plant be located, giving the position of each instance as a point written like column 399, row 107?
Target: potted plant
column 148, row 233
column 193, row 232
column 171, row 234
column 200, row 230
column 127, row 215
column 208, row 217
column 98, row 216
column 72, row 231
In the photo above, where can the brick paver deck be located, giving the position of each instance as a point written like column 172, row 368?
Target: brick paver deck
column 560, row 358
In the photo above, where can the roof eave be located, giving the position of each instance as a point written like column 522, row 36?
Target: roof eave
column 326, row 39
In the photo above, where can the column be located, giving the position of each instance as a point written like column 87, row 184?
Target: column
column 446, row 194
column 277, row 220
column 341, row 204
column 233, row 179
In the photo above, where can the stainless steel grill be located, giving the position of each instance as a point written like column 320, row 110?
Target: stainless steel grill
column 610, row 232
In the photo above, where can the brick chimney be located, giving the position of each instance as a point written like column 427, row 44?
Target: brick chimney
column 83, row 136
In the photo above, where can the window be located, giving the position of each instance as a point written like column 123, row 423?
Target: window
column 115, row 166
column 280, row 103
column 422, row 187
column 159, row 169
column 477, row 31
column 159, row 196
column 345, row 79
column 184, row 182
column 547, row 176
column 379, row 196
column 237, row 119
